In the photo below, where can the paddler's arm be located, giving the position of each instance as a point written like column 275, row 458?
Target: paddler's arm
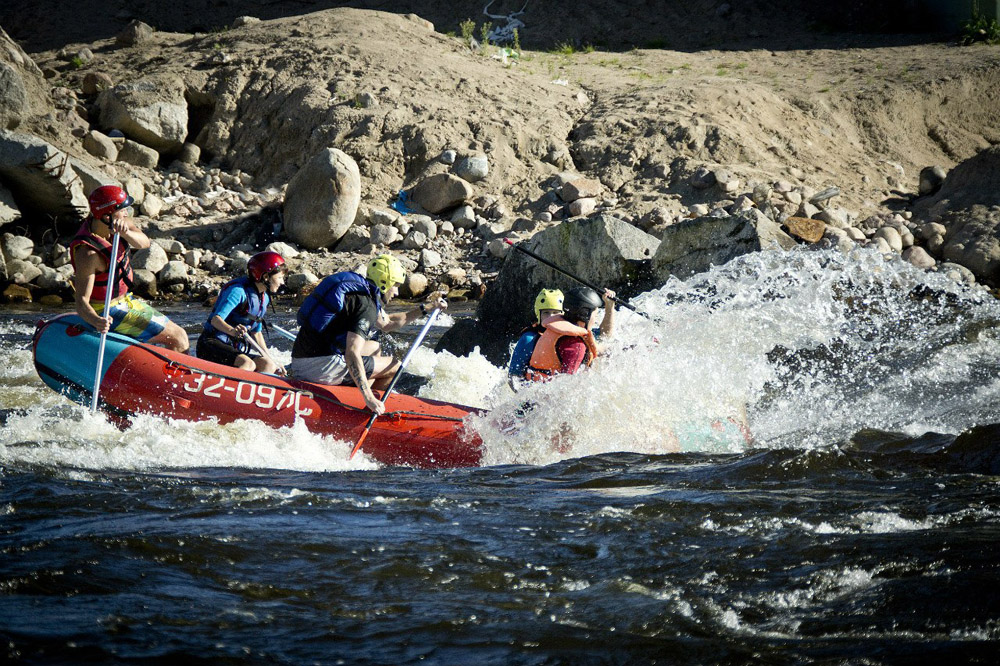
column 219, row 324
column 608, row 323
column 396, row 321
column 88, row 264
column 356, row 366
column 130, row 233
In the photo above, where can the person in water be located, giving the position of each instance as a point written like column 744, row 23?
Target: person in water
column 567, row 341
column 337, row 323
column 549, row 302
column 90, row 254
column 239, row 312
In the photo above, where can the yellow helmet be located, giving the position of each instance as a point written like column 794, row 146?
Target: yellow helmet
column 385, row 271
column 548, row 299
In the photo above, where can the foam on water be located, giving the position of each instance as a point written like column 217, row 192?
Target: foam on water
column 73, row 437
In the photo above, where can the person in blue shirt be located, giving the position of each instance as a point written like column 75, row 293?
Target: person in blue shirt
column 239, row 312
column 548, row 302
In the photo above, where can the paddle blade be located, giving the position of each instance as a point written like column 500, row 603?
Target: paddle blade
column 361, row 440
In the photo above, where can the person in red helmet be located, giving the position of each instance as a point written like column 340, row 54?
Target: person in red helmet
column 239, row 312
column 90, row 254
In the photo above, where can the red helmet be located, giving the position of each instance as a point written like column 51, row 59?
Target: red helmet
column 263, row 264
column 106, row 199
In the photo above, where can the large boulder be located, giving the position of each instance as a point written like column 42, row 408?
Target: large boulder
column 440, row 192
column 152, row 111
column 23, row 91
column 694, row 246
column 603, row 250
column 40, row 176
column 322, row 199
column 973, row 241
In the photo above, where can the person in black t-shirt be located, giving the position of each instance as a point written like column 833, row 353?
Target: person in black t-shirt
column 338, row 321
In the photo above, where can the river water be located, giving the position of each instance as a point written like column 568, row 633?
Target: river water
column 857, row 528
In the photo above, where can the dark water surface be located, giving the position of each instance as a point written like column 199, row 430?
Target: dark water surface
column 862, row 527
column 778, row 557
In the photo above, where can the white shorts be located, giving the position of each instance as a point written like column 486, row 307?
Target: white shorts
column 326, row 369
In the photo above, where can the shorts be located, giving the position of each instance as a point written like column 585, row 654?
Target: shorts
column 134, row 317
column 211, row 348
column 326, row 369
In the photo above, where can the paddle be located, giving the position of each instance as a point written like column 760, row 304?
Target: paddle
column 624, row 304
column 107, row 306
column 283, row 332
column 395, row 378
column 263, row 352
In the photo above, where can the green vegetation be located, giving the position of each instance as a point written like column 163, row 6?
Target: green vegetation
column 722, row 71
column 76, row 62
column 516, row 46
column 484, row 32
column 467, row 27
column 980, row 29
column 567, row 49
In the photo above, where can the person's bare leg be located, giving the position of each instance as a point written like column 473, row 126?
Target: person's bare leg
column 172, row 337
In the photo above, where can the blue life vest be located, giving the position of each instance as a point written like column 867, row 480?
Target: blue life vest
column 522, row 351
column 249, row 312
column 326, row 301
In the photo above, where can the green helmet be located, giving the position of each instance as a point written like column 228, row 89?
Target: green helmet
column 385, row 271
column 548, row 299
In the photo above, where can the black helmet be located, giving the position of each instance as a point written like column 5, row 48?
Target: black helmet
column 579, row 303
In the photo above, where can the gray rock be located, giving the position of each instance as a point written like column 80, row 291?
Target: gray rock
column 22, row 271
column 152, row 111
column 95, row 82
column 583, row 206
column 473, row 168
column 8, row 207
column 355, row 239
column 284, row 249
column 322, row 199
column 382, row 216
column 446, row 228
column 414, row 285
column 16, row 247
column 702, row 178
column 175, row 272
column 426, row 226
column 931, row 180
column 973, row 241
column 824, row 195
column 137, row 154
column 189, row 153
column 134, row 33
column 241, row 21
column 918, row 257
column 144, row 282
column 931, row 229
column 694, row 246
column 26, row 168
column 834, row 217
column 440, row 192
column 957, row 272
column 430, row 258
column 464, row 217
column 152, row 258
column 415, row 240
column 497, row 248
column 100, row 145
column 448, row 157
column 580, row 188
column 383, row 234
column 193, row 258
column 172, row 247
column 151, row 206
column 296, row 282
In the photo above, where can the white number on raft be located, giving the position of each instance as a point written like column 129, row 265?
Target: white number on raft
column 262, row 396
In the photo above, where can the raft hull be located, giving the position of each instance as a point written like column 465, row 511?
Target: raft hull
column 137, row 378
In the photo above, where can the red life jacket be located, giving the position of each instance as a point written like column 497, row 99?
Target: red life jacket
column 123, row 267
column 545, row 361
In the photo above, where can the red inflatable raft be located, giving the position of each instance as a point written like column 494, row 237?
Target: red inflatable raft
column 143, row 379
